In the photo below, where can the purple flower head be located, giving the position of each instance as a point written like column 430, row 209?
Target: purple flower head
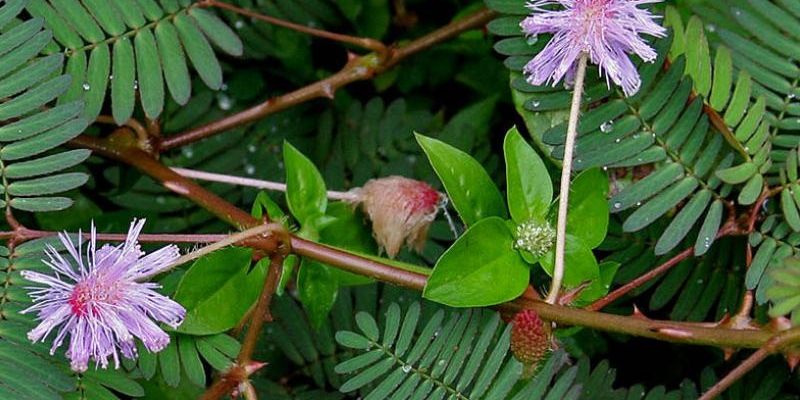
column 607, row 30
column 97, row 300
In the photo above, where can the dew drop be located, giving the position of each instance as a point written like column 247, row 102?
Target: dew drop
column 638, row 203
column 617, row 140
column 791, row 96
column 249, row 169
column 605, row 168
column 239, row 24
column 187, row 152
column 111, row 77
column 441, row 362
column 224, row 102
column 532, row 39
column 86, row 86
column 711, row 28
column 135, row 84
column 607, row 126
column 406, row 368
column 535, row 104
column 252, row 148
column 617, row 205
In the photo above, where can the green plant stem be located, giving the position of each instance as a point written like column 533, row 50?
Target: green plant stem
column 566, row 174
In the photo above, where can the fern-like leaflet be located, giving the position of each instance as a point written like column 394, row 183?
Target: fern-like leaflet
column 29, row 127
column 135, row 46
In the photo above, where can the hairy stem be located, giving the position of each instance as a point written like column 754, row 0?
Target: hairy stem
column 256, row 183
column 566, row 172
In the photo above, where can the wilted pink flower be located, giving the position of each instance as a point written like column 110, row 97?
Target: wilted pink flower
column 607, row 30
column 97, row 301
column 401, row 209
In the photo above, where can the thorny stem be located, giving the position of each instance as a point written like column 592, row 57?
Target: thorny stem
column 256, row 183
column 238, row 374
column 736, row 374
column 566, row 173
column 775, row 345
column 357, row 69
column 367, row 43
column 601, row 303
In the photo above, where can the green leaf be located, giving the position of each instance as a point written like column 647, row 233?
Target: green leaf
column 148, row 66
column 40, row 204
column 199, row 51
column 530, row 190
column 97, row 80
column 317, row 289
column 218, row 290
column 123, row 93
column 216, row 30
column 599, row 287
column 587, row 216
column 481, row 268
column 470, row 188
column 306, row 194
column 737, row 174
column 580, row 265
column 176, row 72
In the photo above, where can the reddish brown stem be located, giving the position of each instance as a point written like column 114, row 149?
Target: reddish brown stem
column 357, row 69
column 728, row 229
column 243, row 368
column 367, row 43
column 639, row 281
column 24, row 234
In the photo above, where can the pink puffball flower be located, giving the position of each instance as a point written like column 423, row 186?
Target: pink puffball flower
column 606, row 30
column 96, row 299
column 401, row 210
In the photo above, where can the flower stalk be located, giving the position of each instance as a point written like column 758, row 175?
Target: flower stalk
column 566, row 173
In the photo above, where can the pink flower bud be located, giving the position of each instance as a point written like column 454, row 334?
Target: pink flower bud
column 401, row 210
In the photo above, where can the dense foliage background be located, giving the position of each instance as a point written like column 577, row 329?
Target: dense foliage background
column 701, row 170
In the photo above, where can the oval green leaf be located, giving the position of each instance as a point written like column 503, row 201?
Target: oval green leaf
column 470, row 188
column 480, row 269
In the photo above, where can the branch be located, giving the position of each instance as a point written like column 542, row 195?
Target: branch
column 775, row 345
column 22, row 234
column 357, row 69
column 367, row 43
column 726, row 230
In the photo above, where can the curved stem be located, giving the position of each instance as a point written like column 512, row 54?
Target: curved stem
column 566, row 171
